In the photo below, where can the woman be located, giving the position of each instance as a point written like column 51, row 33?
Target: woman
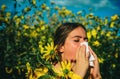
column 68, row 38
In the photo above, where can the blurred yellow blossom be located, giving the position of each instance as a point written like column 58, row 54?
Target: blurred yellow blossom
column 89, row 35
column 33, row 34
column 90, row 22
column 42, row 27
column 26, row 34
column 102, row 32
column 28, row 67
column 34, row 2
column 67, row 12
column 98, row 28
column 114, row 17
column 96, row 43
column 25, row 27
column 91, row 15
column 18, row 33
column 15, row 17
column 22, row 17
column 106, row 22
column 27, row 9
column 79, row 12
column 18, row 20
column 35, row 74
column 57, row 8
column 108, row 34
column 41, row 23
column 94, row 33
column 8, row 14
column 112, row 24
column 40, row 72
column 3, row 7
column 113, row 65
column 7, row 20
column 116, row 55
column 8, row 70
column 43, row 6
column 101, row 60
column 41, row 48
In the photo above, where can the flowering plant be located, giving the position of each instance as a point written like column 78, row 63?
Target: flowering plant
column 26, row 40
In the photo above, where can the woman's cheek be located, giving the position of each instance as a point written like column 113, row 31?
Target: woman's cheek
column 74, row 50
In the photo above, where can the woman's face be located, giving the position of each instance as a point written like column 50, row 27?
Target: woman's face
column 72, row 42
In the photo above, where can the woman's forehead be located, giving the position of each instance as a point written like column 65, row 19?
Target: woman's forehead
column 78, row 32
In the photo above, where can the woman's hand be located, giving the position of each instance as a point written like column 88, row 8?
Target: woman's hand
column 95, row 71
column 82, row 61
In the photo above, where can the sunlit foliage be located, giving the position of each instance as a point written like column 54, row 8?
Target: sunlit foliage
column 26, row 40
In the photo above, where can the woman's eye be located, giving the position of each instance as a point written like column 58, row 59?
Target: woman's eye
column 76, row 40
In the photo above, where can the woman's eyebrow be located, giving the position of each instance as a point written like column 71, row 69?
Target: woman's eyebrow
column 79, row 37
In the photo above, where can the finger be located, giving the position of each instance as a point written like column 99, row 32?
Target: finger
column 87, row 55
column 83, row 51
column 80, row 53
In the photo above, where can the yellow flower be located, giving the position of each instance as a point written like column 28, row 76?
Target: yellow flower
column 91, row 15
column 94, row 33
column 74, row 76
column 102, row 32
column 29, row 73
column 33, row 34
column 113, row 65
column 18, row 20
column 114, row 17
column 22, row 17
column 36, row 73
column 57, row 8
column 41, row 23
column 15, row 17
column 66, row 65
column 41, row 48
column 98, row 27
column 25, row 26
column 79, row 12
column 18, row 33
column 34, row 2
column 90, row 22
column 8, row 70
column 67, row 12
column 40, row 72
column 42, row 27
column 96, row 43
column 116, row 55
column 27, row 9
column 43, row 6
column 28, row 67
column 101, row 60
column 89, row 35
column 65, row 69
column 8, row 14
column 108, row 34
column 50, row 51
column 3, row 7
column 112, row 24
column 106, row 21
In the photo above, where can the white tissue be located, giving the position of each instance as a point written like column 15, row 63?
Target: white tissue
column 91, row 59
